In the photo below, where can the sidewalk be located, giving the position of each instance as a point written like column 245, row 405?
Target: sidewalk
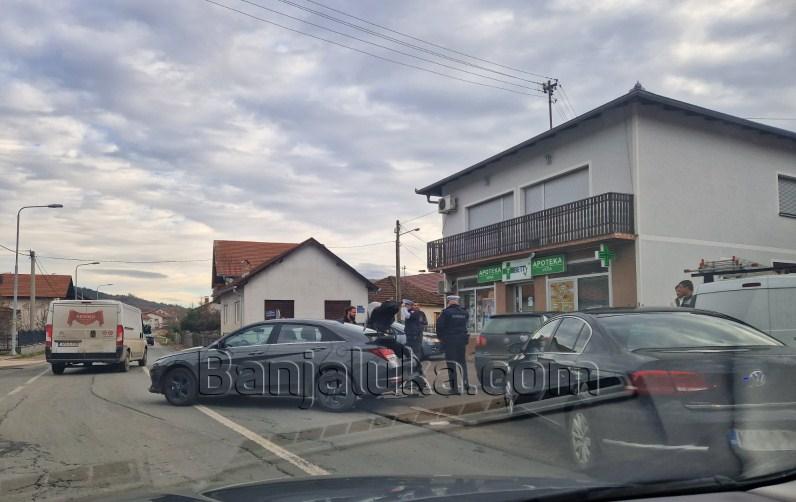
column 8, row 361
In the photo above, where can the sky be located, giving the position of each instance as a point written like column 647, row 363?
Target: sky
column 161, row 126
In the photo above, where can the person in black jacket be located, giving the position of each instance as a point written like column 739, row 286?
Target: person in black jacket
column 452, row 333
column 350, row 315
column 413, row 328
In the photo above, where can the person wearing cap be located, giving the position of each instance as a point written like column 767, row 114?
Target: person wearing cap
column 452, row 333
column 405, row 309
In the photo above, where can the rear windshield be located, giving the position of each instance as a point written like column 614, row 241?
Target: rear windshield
column 680, row 330
column 519, row 324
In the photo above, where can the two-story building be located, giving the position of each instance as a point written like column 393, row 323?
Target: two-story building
column 610, row 208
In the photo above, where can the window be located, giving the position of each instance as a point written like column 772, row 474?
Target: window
column 226, row 313
column 568, row 334
column 334, row 309
column 513, row 324
column 491, row 211
column 237, row 311
column 304, row 333
column 257, row 335
column 542, row 337
column 557, row 191
column 787, row 196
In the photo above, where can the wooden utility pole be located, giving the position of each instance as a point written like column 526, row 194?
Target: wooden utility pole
column 398, row 261
column 32, row 321
column 549, row 88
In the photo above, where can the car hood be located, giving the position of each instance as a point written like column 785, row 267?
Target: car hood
column 180, row 353
column 388, row 488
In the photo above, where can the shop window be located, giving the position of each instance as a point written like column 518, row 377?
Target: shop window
column 579, row 293
column 491, row 211
column 557, row 191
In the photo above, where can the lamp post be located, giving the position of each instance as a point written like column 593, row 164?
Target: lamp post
column 77, row 267
column 398, row 234
column 98, row 288
column 16, row 277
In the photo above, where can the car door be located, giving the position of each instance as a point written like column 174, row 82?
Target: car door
column 294, row 355
column 246, row 351
column 567, row 374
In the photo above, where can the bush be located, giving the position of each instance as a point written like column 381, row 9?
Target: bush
column 201, row 320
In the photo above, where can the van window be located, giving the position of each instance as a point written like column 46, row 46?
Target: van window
column 748, row 305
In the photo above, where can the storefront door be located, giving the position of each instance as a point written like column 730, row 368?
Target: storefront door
column 480, row 304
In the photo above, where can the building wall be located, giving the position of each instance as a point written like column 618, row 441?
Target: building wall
column 23, row 304
column 603, row 144
column 228, row 321
column 706, row 190
column 308, row 276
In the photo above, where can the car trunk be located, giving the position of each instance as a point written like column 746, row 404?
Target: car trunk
column 727, row 376
column 86, row 328
column 504, row 336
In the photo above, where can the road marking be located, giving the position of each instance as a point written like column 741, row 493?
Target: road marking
column 146, row 370
column 439, row 414
column 15, row 391
column 36, row 377
column 304, row 465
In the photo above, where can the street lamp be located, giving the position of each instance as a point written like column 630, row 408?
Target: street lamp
column 16, row 277
column 77, row 267
column 98, row 288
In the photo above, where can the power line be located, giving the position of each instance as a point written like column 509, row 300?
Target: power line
column 418, row 238
column 567, row 100
column 13, row 252
column 398, row 41
column 129, row 262
column 361, row 245
column 383, row 58
column 407, row 54
column 427, row 42
column 418, row 217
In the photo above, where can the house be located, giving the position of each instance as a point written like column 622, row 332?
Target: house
column 416, row 288
column 153, row 320
column 48, row 288
column 257, row 281
column 610, row 208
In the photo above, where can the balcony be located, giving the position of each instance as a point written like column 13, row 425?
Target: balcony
column 599, row 216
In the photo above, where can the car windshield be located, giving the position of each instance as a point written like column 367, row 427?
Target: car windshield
column 681, row 330
column 513, row 324
column 441, row 249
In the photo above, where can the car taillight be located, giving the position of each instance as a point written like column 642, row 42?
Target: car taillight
column 481, row 341
column 48, row 335
column 666, row 383
column 119, row 335
column 386, row 354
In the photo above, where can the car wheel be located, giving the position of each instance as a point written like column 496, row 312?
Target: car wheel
column 335, row 392
column 58, row 368
column 124, row 365
column 142, row 361
column 584, row 443
column 179, row 386
column 509, row 398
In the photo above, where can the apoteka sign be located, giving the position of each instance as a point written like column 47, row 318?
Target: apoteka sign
column 547, row 265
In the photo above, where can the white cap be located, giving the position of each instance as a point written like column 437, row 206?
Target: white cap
column 453, row 298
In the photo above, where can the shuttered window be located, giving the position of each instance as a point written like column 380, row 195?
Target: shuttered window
column 787, row 196
column 491, row 211
column 557, row 191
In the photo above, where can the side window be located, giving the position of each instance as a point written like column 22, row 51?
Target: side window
column 304, row 333
column 543, row 336
column 257, row 335
column 567, row 336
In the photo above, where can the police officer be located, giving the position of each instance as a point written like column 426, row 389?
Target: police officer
column 452, row 332
column 413, row 327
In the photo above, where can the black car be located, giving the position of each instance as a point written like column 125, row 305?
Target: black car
column 659, row 380
column 323, row 362
column 503, row 336
column 432, row 348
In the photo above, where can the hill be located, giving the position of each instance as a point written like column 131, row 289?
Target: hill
column 177, row 311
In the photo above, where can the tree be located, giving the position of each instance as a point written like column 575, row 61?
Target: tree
column 201, row 319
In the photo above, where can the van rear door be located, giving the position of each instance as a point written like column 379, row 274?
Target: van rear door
column 84, row 327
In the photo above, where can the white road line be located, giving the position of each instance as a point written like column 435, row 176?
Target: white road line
column 36, row 377
column 15, row 391
column 146, row 370
column 439, row 414
column 304, row 465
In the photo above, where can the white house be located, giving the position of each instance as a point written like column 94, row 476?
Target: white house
column 655, row 183
column 304, row 280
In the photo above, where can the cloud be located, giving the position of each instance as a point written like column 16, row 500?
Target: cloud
column 161, row 133
column 137, row 274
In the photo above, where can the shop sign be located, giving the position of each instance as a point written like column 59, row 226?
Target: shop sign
column 547, row 265
column 605, row 255
column 517, row 270
column 492, row 273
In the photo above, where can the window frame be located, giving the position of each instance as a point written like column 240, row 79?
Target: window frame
column 792, row 179
column 574, row 353
column 491, row 198
column 324, row 331
column 274, row 331
column 565, row 172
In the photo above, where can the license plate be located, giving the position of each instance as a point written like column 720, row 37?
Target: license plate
column 763, row 440
column 69, row 344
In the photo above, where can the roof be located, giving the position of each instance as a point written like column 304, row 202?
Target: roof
column 409, row 291
column 234, row 258
column 246, row 277
column 47, row 286
column 429, row 282
column 637, row 94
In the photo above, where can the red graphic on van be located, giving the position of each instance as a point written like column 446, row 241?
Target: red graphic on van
column 85, row 318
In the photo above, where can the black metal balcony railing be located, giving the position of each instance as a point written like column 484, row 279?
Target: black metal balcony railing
column 596, row 216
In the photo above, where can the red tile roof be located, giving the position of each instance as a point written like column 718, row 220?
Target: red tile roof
column 409, row 290
column 233, row 258
column 47, row 286
column 429, row 282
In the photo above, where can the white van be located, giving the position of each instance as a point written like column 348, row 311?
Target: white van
column 94, row 331
column 767, row 302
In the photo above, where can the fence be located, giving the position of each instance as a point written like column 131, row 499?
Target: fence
column 30, row 337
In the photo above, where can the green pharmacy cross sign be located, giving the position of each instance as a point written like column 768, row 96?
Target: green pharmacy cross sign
column 605, row 255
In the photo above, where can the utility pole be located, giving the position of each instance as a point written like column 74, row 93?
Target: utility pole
column 398, row 261
column 549, row 88
column 32, row 289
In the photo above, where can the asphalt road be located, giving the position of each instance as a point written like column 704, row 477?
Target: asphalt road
column 93, row 432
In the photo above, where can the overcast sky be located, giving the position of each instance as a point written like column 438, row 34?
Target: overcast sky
column 162, row 126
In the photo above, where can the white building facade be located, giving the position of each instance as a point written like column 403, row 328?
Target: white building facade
column 306, row 282
column 654, row 183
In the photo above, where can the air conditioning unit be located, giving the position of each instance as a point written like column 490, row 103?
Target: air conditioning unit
column 444, row 287
column 446, row 204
